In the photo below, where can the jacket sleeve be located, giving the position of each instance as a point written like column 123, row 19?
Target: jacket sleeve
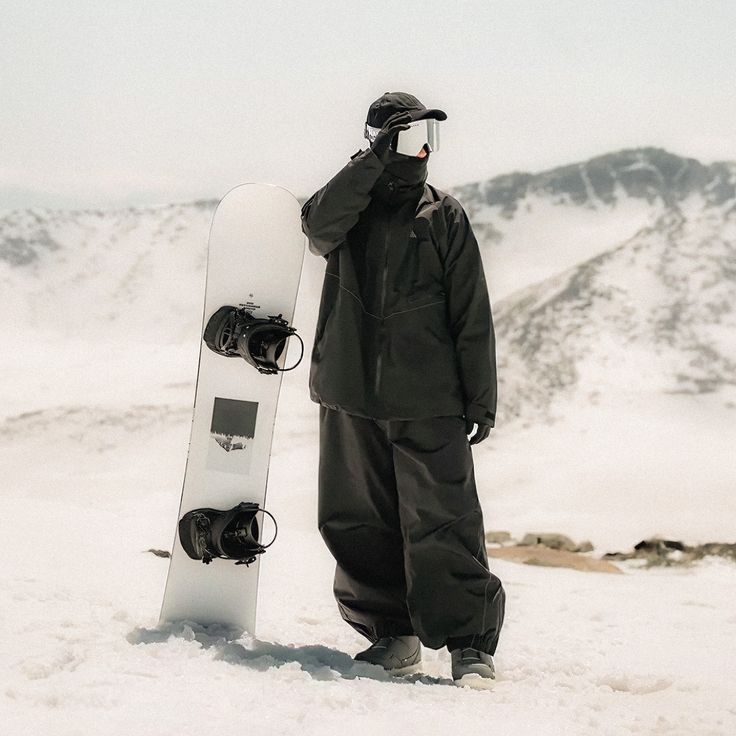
column 334, row 209
column 471, row 322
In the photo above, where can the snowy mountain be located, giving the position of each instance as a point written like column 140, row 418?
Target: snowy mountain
column 597, row 270
column 655, row 313
column 537, row 225
column 93, row 272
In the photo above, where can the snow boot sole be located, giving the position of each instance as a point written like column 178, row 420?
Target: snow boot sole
column 475, row 681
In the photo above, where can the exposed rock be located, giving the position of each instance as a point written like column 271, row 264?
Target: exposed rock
column 665, row 552
column 498, row 537
column 546, row 557
column 159, row 552
column 718, row 549
column 659, row 545
column 551, row 540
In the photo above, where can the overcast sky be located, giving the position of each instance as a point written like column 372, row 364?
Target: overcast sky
column 110, row 103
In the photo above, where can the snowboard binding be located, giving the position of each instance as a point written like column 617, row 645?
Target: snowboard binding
column 230, row 535
column 234, row 332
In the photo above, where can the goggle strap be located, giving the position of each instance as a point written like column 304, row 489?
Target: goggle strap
column 370, row 132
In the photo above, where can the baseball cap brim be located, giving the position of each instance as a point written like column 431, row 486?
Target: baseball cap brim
column 433, row 113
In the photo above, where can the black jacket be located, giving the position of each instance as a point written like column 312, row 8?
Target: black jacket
column 404, row 329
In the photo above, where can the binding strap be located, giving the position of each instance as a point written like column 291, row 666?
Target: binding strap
column 231, row 535
column 235, row 332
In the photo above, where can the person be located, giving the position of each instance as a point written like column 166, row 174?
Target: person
column 403, row 367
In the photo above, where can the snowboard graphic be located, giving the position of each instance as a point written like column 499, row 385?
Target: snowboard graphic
column 254, row 262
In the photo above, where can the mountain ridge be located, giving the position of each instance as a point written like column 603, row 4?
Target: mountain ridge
column 643, row 173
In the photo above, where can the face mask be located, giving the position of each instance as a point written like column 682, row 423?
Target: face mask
column 407, row 169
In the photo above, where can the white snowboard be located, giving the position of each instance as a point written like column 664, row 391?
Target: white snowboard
column 256, row 250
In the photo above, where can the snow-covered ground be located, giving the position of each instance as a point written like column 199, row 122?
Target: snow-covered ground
column 91, row 482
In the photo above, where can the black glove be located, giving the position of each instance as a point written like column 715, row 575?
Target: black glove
column 398, row 121
column 480, row 434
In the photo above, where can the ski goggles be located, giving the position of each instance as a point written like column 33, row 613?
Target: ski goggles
column 410, row 141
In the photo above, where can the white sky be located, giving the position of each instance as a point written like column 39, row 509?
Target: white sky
column 107, row 103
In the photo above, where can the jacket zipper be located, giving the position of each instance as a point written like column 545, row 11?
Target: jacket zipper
column 383, row 301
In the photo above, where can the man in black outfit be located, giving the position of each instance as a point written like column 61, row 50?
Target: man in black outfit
column 404, row 369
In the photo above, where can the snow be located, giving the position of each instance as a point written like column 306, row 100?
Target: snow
column 567, row 234
column 92, row 477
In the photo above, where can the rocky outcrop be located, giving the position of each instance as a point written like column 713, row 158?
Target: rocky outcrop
column 658, row 552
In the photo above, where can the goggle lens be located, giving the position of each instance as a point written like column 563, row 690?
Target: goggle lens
column 411, row 141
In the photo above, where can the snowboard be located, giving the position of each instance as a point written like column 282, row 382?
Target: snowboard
column 254, row 261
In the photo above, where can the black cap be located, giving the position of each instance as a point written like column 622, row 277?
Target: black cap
column 392, row 102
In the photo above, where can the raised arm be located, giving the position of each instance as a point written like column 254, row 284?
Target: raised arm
column 333, row 210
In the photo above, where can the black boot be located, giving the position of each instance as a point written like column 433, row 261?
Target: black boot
column 472, row 668
column 396, row 654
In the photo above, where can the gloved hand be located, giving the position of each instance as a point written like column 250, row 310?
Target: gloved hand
column 398, row 121
column 480, row 434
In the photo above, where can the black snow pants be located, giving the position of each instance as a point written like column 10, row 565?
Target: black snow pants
column 399, row 511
